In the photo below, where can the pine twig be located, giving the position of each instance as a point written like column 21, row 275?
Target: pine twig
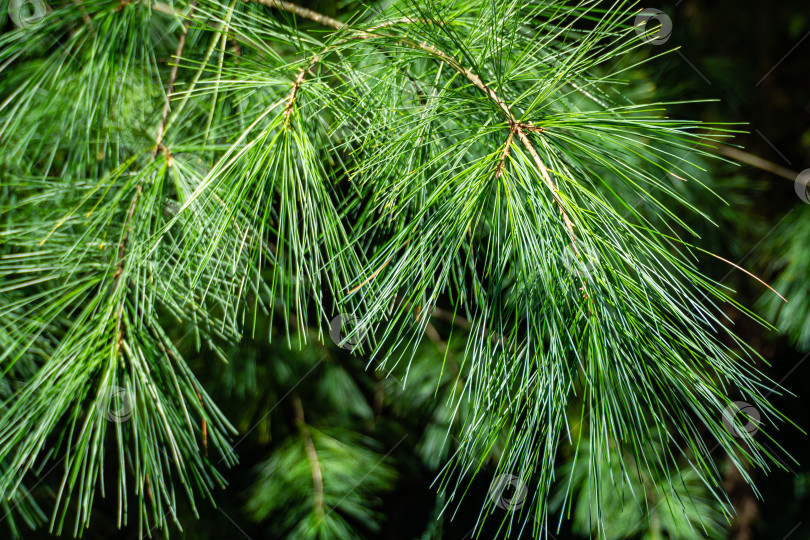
column 303, row 12
column 456, row 65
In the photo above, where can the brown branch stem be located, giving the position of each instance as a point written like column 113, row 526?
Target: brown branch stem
column 505, row 154
column 303, row 12
column 122, row 246
column 515, row 126
column 550, row 183
column 158, row 147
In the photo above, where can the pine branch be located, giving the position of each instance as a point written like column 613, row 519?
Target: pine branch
column 312, row 456
column 455, row 64
column 170, row 86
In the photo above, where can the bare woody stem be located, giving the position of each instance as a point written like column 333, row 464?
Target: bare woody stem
column 122, row 247
column 505, row 154
column 325, row 21
column 338, row 25
column 755, row 161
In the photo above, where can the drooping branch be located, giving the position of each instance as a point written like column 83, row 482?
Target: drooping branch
column 158, row 147
column 170, row 87
column 371, row 33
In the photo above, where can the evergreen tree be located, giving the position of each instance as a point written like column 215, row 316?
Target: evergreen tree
column 474, row 173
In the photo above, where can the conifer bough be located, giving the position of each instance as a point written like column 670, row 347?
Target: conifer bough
column 188, row 165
